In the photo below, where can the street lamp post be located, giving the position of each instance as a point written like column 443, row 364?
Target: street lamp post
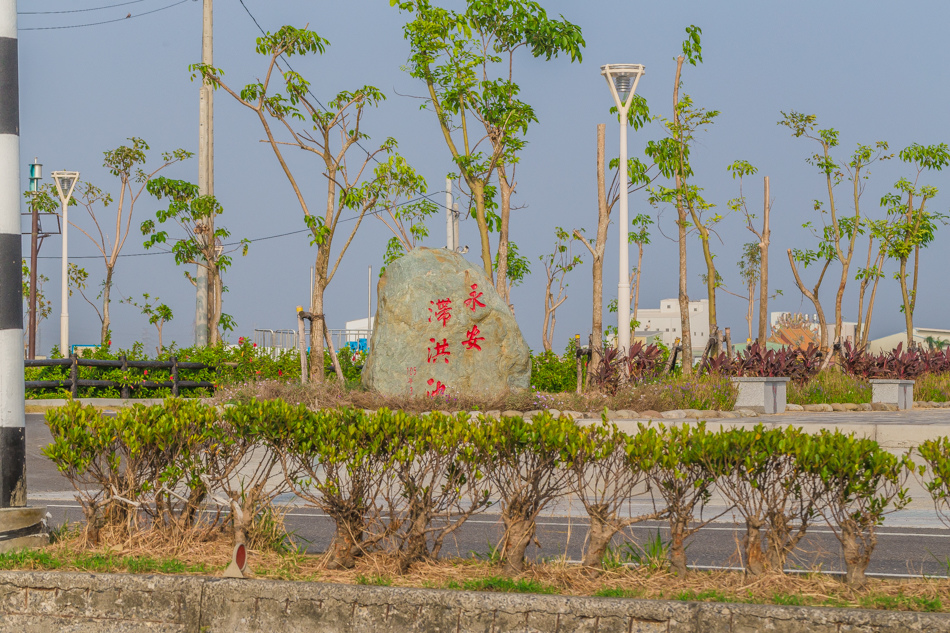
column 65, row 183
column 36, row 174
column 623, row 80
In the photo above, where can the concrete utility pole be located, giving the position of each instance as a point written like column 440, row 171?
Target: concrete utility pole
column 19, row 526
column 205, row 171
column 449, row 216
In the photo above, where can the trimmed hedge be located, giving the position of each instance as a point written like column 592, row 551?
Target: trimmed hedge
column 400, row 482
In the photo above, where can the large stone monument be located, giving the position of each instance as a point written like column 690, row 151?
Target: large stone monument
column 441, row 329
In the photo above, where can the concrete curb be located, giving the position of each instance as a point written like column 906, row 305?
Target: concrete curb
column 41, row 406
column 104, row 603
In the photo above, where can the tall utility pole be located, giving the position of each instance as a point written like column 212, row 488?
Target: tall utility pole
column 20, row 526
column 764, row 270
column 12, row 416
column 449, row 216
column 205, row 171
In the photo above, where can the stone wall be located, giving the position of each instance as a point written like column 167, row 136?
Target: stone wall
column 44, row 602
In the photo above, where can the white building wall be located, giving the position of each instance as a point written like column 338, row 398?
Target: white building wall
column 666, row 320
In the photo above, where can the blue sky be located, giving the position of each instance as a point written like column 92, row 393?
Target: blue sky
column 873, row 70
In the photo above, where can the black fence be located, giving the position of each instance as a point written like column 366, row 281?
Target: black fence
column 75, row 382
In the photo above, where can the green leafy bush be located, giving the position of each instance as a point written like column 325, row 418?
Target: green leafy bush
column 555, row 373
column 403, row 482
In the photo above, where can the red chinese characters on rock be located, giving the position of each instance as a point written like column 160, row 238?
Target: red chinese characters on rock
column 472, row 338
column 442, row 310
column 439, row 387
column 441, row 350
column 473, row 298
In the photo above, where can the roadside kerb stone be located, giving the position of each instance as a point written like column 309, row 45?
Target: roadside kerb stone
column 40, row 406
column 41, row 602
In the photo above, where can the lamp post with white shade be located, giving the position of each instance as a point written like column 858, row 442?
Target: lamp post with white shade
column 65, row 183
column 623, row 80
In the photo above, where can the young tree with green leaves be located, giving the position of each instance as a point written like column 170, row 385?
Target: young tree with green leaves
column 43, row 306
column 466, row 60
column 739, row 169
column 639, row 176
column 870, row 275
column 912, row 225
column 840, row 231
column 200, row 242
column 296, row 119
column 672, row 156
column 557, row 265
column 749, row 272
column 517, row 268
column 111, row 227
column 158, row 314
column 400, row 196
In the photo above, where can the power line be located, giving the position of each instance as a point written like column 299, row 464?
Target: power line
column 257, row 239
column 108, row 6
column 263, row 32
column 78, row 26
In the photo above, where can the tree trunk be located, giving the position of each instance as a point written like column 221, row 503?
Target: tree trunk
column 599, row 536
column 685, row 334
column 764, row 270
column 333, row 356
column 856, row 557
column 346, row 540
column 106, row 321
column 866, row 331
column 416, row 548
column 547, row 330
column 603, row 221
column 678, row 543
column 505, row 189
column 478, row 191
column 812, row 295
column 710, row 283
column 214, row 309
column 908, row 307
column 755, row 560
column 518, row 534
column 748, row 316
column 316, row 327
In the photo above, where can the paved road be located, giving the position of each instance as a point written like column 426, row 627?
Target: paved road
column 912, row 542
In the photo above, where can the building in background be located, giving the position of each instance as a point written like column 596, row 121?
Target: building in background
column 665, row 322
column 923, row 336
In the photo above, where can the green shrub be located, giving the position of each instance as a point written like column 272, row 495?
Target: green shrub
column 555, row 373
column 830, row 386
column 859, row 484
column 936, row 453
column 404, row 482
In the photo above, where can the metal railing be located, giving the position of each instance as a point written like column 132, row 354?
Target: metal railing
column 75, row 382
column 280, row 339
column 355, row 340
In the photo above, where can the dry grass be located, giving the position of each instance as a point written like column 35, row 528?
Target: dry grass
column 701, row 392
column 932, row 387
column 210, row 557
column 830, row 386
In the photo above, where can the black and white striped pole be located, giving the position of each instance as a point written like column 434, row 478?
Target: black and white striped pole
column 20, row 526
